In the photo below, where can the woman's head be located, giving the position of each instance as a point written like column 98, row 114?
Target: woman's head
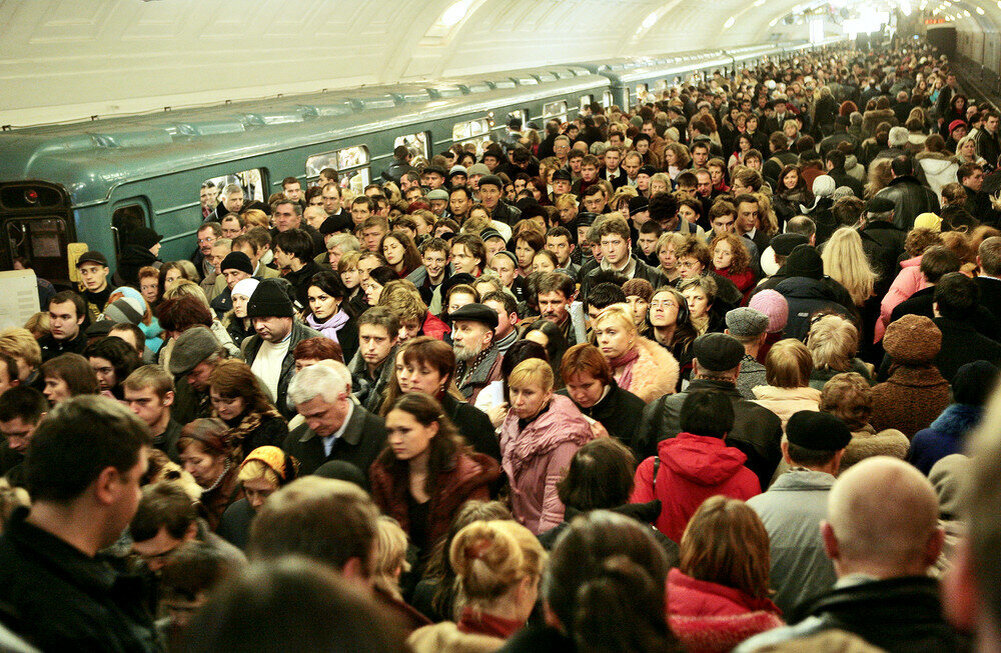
column 606, row 582
column 347, row 268
column 600, row 476
column 398, row 249
column 614, row 330
column 416, row 426
column 326, row 292
column 788, row 364
column 66, row 376
column 668, row 307
column 833, row 343
column 790, row 179
column 699, row 293
column 205, row 450
column 113, row 360
column 726, row 543
column 730, row 253
column 530, row 387
column 263, row 471
column 425, row 365
column 848, row 396
column 550, row 336
column 586, row 374
column 236, row 391
column 498, row 559
column 666, row 248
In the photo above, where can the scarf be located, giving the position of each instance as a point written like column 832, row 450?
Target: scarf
column 625, row 363
column 250, row 422
column 333, row 324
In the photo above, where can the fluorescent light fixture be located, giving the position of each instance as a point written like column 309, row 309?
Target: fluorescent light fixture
column 455, row 13
column 729, row 22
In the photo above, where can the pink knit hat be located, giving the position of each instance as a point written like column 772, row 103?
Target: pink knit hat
column 774, row 305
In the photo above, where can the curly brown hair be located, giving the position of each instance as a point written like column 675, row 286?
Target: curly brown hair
column 741, row 260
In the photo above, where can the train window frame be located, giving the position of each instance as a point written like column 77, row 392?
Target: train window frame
column 419, row 147
column 556, row 109
column 245, row 179
column 352, row 173
column 607, row 99
column 479, row 136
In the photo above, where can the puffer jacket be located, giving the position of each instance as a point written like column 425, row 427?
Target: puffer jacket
column 535, row 458
column 712, row 618
column 653, row 374
column 786, row 402
column 692, row 468
column 469, row 478
column 938, row 170
column 907, row 282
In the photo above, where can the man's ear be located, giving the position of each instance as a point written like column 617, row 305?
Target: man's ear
column 830, row 540
column 106, row 486
column 168, row 398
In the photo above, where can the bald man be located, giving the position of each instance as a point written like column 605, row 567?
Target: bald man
column 882, row 535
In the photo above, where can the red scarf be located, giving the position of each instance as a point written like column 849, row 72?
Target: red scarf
column 481, row 623
column 624, row 362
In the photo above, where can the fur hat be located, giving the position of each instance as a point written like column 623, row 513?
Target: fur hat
column 912, row 340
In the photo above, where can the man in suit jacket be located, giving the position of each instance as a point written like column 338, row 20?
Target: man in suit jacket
column 336, row 428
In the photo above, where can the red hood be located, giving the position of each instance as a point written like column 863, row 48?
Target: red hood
column 701, row 459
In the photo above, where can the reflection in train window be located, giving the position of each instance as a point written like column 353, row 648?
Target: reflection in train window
column 351, row 164
column 416, row 144
column 474, row 131
column 585, row 102
column 641, row 92
column 250, row 182
column 555, row 110
column 520, row 114
column 607, row 99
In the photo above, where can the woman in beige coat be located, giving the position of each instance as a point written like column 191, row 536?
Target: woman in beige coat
column 787, row 370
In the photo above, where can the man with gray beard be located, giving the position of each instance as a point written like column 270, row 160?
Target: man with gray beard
column 477, row 357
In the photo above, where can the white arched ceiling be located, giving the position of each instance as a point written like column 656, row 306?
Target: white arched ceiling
column 71, row 59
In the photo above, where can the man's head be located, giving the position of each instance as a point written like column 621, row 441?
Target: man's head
column 165, row 519
column 88, row 455
column 232, row 198
column 93, row 270
column 322, row 395
column 559, row 241
column 286, row 214
column 613, row 235
column 956, row 296
column 21, row 409
column 220, row 248
column 149, row 393
column 991, row 122
column 594, row 199
column 232, row 225
column 271, row 311
column 292, row 188
column 328, row 520
column 472, row 330
column 459, row 202
column 700, row 154
column 989, row 256
column 378, row 332
column 331, row 195
column 67, row 312
column 362, row 208
column 723, row 217
column 292, row 248
column 506, row 308
column 717, row 356
column 882, row 520
column 236, row 267
column 556, row 291
column 706, row 413
column 971, row 175
column 196, row 353
column 747, row 212
column 815, row 440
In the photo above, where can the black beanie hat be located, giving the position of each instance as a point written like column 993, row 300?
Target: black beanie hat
column 237, row 261
column 269, row 300
column 974, row 383
column 804, row 261
column 145, row 237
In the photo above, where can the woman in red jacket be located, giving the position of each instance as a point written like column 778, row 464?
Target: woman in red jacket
column 718, row 597
column 425, row 473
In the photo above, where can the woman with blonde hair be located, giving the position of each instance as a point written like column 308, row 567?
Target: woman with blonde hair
column 390, row 559
column 538, row 438
column 719, row 596
column 880, row 177
column 833, row 343
column 788, row 367
column 666, row 246
column 845, row 262
column 639, row 365
column 498, row 566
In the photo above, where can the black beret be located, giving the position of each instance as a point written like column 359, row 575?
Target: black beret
column 586, row 219
column 818, row 431
column 476, row 313
column 880, row 205
column 783, row 244
column 491, row 180
column 638, row 204
column 562, row 174
column 717, row 352
column 650, row 171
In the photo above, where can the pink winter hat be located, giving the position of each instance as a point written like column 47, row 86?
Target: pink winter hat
column 774, row 305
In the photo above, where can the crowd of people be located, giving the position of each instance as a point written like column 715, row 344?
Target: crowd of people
column 698, row 375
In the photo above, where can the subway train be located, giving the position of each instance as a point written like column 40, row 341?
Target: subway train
column 65, row 187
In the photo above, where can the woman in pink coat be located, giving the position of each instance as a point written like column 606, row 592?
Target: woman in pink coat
column 540, row 435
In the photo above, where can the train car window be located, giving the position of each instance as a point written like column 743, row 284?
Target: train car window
column 641, row 92
column 473, row 131
column 585, row 102
column 520, row 114
column 210, row 193
column 125, row 219
column 351, row 164
column 416, row 144
column 556, row 109
column 607, row 99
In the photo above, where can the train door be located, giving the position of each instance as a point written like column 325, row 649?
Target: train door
column 37, row 225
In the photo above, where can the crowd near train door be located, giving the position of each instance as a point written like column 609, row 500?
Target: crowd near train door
column 37, row 227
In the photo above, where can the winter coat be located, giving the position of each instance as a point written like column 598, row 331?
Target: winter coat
column 883, row 243
column 445, row 637
column 945, row 436
column 474, row 426
column 620, row 412
column 867, row 442
column 469, row 478
column 757, row 431
column 908, row 281
column 910, row 399
column 872, row 118
column 485, row 373
column 937, row 172
column 711, row 618
column 362, row 441
column 791, row 511
column 653, row 374
column 692, row 469
column 132, row 258
column 252, row 345
column 961, row 344
column 785, row 402
column 899, row 615
column 910, row 200
column 215, row 501
column 805, row 297
column 535, row 458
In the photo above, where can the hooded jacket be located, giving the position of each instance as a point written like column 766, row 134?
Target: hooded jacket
column 945, row 436
column 535, row 459
column 711, row 618
column 805, row 297
column 938, row 172
column 692, row 469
